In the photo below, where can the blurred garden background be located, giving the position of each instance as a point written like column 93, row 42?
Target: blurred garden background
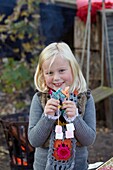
column 20, row 45
column 19, row 49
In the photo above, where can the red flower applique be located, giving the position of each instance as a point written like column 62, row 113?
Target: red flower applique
column 62, row 149
column 63, row 152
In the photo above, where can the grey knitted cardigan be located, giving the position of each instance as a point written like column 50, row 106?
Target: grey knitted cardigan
column 40, row 128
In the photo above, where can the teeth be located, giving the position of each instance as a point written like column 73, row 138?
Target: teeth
column 58, row 84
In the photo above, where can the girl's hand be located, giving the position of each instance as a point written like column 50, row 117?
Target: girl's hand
column 70, row 107
column 51, row 107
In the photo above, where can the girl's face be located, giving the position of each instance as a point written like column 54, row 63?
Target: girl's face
column 59, row 75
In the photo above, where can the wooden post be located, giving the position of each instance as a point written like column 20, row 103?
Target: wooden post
column 95, row 64
column 79, row 35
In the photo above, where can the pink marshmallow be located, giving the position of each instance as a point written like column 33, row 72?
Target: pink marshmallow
column 69, row 134
column 58, row 129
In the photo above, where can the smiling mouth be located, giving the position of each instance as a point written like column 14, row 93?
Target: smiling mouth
column 58, row 84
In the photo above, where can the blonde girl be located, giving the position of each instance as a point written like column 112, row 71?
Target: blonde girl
column 66, row 149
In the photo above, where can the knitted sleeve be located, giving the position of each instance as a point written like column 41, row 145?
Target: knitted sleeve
column 40, row 126
column 85, row 127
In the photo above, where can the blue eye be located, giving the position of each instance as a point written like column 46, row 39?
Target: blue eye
column 50, row 73
column 62, row 70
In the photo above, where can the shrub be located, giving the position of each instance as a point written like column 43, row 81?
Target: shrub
column 20, row 44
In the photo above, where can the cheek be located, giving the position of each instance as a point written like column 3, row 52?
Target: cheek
column 48, row 80
column 70, row 79
column 71, row 76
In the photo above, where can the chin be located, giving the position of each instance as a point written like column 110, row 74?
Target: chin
column 56, row 88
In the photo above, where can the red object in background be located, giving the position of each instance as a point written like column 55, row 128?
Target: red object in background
column 95, row 6
column 81, row 3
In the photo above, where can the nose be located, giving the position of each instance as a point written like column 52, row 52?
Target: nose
column 56, row 76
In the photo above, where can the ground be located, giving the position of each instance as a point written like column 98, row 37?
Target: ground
column 101, row 150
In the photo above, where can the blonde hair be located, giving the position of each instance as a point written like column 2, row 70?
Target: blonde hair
column 52, row 51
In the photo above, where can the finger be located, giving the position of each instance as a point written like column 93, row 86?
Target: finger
column 70, row 111
column 52, row 107
column 53, row 102
column 70, row 114
column 69, row 103
column 69, row 106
